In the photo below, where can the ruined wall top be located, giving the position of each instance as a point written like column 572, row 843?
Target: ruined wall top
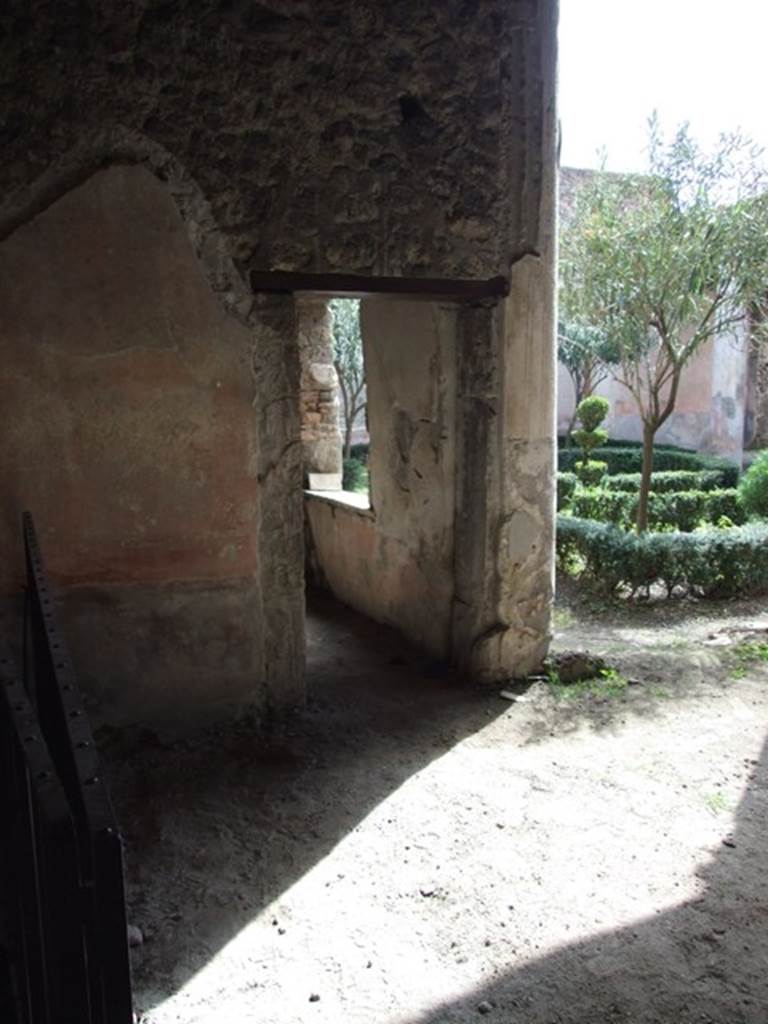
column 395, row 138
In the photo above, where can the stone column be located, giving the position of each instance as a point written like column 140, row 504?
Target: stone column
column 320, row 431
column 281, row 522
column 505, row 481
column 505, row 497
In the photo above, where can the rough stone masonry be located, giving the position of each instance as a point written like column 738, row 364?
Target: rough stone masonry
column 156, row 156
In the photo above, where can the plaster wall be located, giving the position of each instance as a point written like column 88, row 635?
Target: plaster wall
column 394, row 562
column 756, row 412
column 129, row 431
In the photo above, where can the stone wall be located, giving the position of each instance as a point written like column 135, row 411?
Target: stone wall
column 504, row 489
column 456, row 549
column 710, row 410
column 320, row 431
column 295, row 135
column 129, row 431
column 497, row 567
column 315, row 134
column 395, row 562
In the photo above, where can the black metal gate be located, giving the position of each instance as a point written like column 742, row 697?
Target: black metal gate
column 62, row 846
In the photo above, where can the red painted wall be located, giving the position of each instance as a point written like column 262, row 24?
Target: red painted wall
column 126, row 404
column 128, row 427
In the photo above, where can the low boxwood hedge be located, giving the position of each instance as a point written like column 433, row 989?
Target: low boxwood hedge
column 753, row 486
column 613, row 442
column 630, row 459
column 711, row 563
column 360, row 452
column 616, row 442
column 678, row 510
column 669, row 480
column 566, row 485
column 354, row 475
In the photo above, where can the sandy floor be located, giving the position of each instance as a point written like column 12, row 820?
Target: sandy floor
column 409, row 851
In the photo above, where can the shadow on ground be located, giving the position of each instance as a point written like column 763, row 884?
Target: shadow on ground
column 378, row 714
column 645, row 973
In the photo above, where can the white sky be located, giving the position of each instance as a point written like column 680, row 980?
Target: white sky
column 703, row 61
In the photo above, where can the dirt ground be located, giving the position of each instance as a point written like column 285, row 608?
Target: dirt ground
column 407, row 850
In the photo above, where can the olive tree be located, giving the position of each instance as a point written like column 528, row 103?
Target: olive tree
column 664, row 262
column 348, row 360
column 587, row 354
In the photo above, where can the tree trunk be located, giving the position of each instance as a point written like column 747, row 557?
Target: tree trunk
column 569, row 431
column 348, row 424
column 578, row 394
column 649, row 432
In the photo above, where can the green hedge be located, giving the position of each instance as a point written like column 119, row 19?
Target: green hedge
column 354, row 475
column 630, row 459
column 360, row 452
column 613, row 442
column 713, row 563
column 670, row 480
column 616, row 442
column 753, row 486
column 566, row 485
column 678, row 510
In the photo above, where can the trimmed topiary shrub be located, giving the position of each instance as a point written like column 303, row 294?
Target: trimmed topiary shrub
column 753, row 487
column 711, row 563
column 591, row 412
column 590, row 473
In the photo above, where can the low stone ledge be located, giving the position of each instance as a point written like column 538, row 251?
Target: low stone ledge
column 355, row 502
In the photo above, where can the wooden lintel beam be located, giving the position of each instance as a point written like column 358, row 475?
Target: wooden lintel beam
column 358, row 286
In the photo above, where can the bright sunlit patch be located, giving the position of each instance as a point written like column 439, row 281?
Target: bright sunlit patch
column 477, row 868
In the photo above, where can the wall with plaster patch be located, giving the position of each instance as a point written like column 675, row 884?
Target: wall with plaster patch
column 129, row 431
column 291, row 135
column 395, row 562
